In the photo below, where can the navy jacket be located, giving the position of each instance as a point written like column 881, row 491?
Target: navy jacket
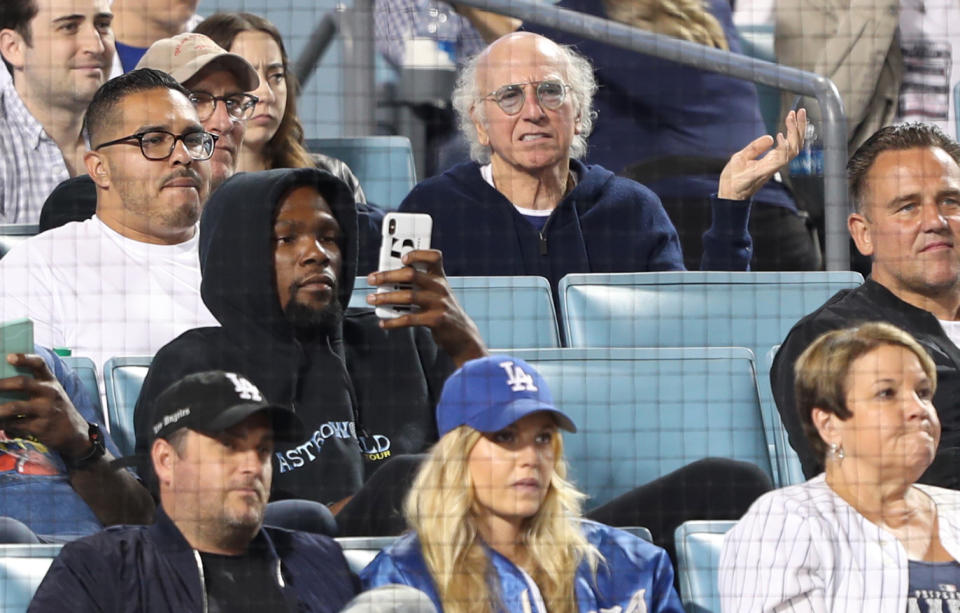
column 152, row 568
column 605, row 224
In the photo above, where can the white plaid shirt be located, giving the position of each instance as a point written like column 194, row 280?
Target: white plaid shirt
column 395, row 22
column 31, row 163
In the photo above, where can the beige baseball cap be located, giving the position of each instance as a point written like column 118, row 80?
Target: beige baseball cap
column 184, row 55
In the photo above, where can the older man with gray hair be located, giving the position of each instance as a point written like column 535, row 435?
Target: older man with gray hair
column 526, row 205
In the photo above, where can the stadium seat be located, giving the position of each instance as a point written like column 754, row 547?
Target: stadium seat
column 696, row 309
column 361, row 550
column 11, row 234
column 698, row 554
column 510, row 311
column 383, row 164
column 123, row 377
column 788, row 462
column 638, row 531
column 87, row 371
column 22, row 568
column 642, row 413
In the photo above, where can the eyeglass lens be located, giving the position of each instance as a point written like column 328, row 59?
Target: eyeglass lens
column 159, row 145
column 511, row 97
column 239, row 106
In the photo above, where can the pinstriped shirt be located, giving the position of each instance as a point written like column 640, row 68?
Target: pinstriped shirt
column 804, row 549
column 31, row 163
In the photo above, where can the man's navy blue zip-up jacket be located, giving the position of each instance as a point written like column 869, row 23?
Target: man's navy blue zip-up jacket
column 152, row 568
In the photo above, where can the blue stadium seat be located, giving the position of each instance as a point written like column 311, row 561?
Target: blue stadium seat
column 788, row 462
column 123, row 378
column 696, row 309
column 22, row 568
column 361, row 550
column 698, row 555
column 383, row 164
column 87, row 371
column 642, row 413
column 11, row 234
column 510, row 311
column 638, row 531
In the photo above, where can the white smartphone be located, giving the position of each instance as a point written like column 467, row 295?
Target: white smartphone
column 401, row 233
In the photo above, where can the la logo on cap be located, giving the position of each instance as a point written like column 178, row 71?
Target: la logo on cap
column 517, row 379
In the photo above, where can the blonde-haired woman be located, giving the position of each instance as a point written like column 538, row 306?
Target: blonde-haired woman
column 496, row 525
column 863, row 536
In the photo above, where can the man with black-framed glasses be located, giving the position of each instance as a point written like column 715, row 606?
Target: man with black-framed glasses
column 126, row 281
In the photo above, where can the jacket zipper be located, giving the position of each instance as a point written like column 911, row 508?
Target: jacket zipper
column 542, row 234
column 203, row 580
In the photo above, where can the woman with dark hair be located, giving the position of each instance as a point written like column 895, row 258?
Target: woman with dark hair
column 274, row 137
column 497, row 526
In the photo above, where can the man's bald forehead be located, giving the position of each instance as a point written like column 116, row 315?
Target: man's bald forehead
column 518, row 48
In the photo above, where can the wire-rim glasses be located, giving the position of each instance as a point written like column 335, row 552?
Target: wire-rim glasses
column 159, row 144
column 510, row 98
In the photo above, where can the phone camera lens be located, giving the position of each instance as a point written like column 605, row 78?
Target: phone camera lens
column 392, row 228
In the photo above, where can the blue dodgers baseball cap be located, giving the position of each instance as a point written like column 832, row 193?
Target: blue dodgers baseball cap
column 489, row 394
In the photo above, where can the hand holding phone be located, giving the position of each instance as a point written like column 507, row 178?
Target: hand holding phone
column 401, row 233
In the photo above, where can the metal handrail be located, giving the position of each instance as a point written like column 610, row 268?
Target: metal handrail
column 833, row 130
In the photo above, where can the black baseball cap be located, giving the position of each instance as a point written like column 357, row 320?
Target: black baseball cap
column 213, row 401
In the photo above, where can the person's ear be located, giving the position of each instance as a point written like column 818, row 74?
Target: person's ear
column 12, row 47
column 826, row 424
column 97, row 168
column 164, row 458
column 482, row 135
column 576, row 124
column 860, row 229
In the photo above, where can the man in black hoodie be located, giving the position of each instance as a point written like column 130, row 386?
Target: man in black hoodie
column 278, row 252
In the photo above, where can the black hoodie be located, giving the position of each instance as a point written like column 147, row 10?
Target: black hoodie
column 365, row 394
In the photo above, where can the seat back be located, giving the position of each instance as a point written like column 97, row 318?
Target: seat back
column 698, row 546
column 509, row 311
column 87, row 371
column 14, row 233
column 642, row 413
column 383, row 164
column 692, row 309
column 123, row 377
column 696, row 309
column 361, row 550
column 22, row 568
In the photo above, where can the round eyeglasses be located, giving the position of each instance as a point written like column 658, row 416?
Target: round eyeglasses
column 159, row 144
column 239, row 106
column 510, row 98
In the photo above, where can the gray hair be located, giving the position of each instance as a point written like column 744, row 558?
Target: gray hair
column 580, row 79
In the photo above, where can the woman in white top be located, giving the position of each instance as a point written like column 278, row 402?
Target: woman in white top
column 863, row 536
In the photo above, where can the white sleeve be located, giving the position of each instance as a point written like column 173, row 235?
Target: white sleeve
column 28, row 291
column 772, row 561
